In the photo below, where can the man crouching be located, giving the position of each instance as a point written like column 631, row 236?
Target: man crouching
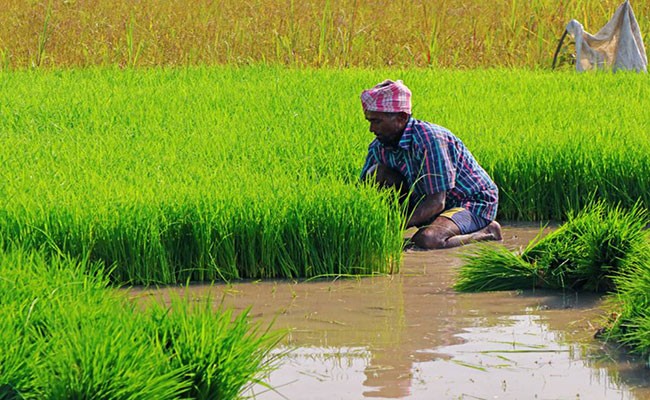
column 451, row 199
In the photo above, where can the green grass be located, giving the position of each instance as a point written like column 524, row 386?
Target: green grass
column 169, row 175
column 66, row 335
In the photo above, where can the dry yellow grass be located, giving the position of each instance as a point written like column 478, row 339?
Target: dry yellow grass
column 338, row 33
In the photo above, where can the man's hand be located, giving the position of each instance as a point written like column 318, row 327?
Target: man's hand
column 430, row 206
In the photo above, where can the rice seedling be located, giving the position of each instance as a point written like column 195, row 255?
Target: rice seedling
column 66, row 335
column 220, row 355
column 75, row 339
column 16, row 353
column 629, row 321
column 588, row 252
column 600, row 248
column 490, row 268
column 103, row 353
column 591, row 248
column 139, row 168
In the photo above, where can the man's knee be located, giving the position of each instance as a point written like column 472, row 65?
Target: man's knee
column 429, row 239
column 436, row 235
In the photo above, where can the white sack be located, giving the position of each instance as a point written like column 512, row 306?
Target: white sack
column 618, row 44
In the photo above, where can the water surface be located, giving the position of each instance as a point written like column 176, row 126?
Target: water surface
column 410, row 336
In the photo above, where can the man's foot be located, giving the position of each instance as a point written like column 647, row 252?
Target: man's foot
column 494, row 229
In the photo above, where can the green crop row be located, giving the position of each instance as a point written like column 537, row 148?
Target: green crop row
column 331, row 33
column 219, row 173
column 64, row 334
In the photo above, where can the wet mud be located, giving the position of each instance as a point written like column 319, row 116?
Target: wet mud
column 411, row 336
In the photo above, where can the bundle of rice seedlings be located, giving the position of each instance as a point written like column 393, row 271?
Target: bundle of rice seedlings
column 552, row 256
column 101, row 351
column 608, row 247
column 590, row 248
column 65, row 335
column 630, row 306
column 586, row 253
column 492, row 268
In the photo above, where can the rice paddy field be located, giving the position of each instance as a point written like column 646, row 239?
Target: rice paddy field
column 66, row 334
column 252, row 172
column 155, row 143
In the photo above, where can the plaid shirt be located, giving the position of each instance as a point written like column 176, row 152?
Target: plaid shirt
column 433, row 160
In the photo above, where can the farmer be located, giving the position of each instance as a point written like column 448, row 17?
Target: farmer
column 451, row 199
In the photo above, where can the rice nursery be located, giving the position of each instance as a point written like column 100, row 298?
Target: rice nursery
column 170, row 175
column 65, row 334
column 212, row 174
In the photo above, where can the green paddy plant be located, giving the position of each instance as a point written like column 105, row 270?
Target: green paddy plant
column 16, row 354
column 600, row 248
column 221, row 354
column 588, row 252
column 27, row 280
column 494, row 268
column 67, row 335
column 96, row 352
column 140, row 169
column 591, row 248
column 629, row 308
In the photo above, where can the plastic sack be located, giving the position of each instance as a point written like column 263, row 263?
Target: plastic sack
column 617, row 45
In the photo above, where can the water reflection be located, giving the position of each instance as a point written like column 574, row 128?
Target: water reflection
column 516, row 357
column 410, row 336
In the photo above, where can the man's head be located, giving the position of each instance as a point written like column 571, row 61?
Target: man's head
column 387, row 107
column 387, row 127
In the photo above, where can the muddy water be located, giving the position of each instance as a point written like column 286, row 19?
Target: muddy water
column 410, row 336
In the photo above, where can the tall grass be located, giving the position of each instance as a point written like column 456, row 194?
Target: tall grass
column 336, row 33
column 224, row 173
column 66, row 335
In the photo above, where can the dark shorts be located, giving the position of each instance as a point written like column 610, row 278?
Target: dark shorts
column 465, row 220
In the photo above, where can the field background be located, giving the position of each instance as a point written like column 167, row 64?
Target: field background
column 332, row 33
column 230, row 172
column 168, row 141
column 224, row 139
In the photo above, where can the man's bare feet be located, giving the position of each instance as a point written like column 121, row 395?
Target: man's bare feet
column 494, row 229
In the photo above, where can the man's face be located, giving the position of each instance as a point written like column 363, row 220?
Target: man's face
column 387, row 127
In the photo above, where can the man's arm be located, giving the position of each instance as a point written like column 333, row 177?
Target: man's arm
column 369, row 165
column 430, row 206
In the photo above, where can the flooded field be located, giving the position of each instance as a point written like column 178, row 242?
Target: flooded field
column 410, row 336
